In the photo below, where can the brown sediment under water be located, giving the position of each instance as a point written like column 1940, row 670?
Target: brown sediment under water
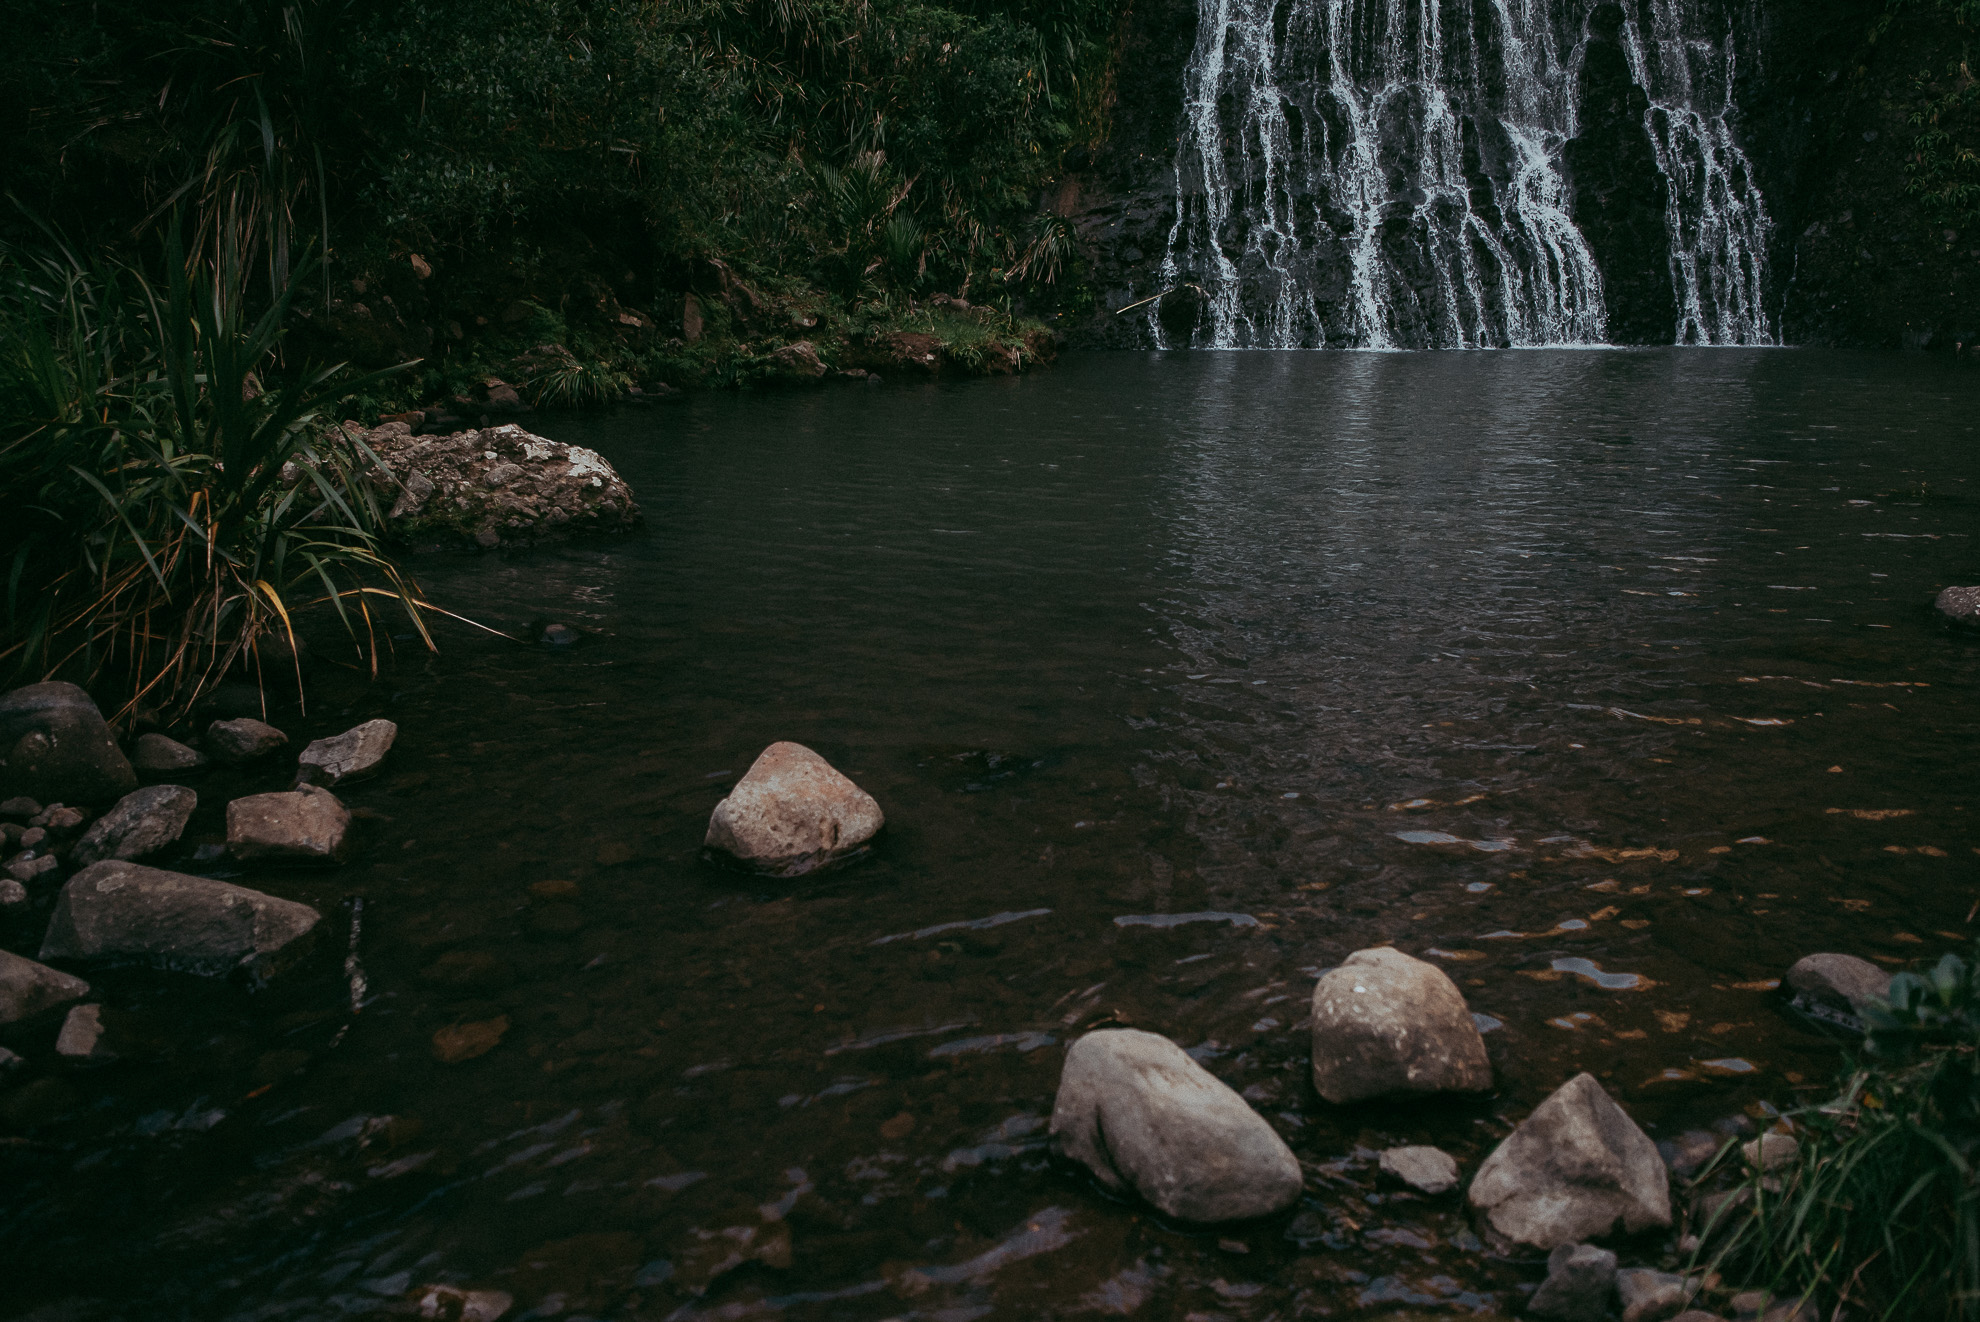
column 1608, row 681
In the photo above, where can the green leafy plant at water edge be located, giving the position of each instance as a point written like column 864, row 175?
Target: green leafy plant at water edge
column 1879, row 1215
column 168, row 516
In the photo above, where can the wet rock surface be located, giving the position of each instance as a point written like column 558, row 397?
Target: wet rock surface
column 497, row 485
column 1836, row 987
column 1387, row 1024
column 352, row 755
column 1424, row 1169
column 1647, row 1295
column 1961, row 605
column 793, row 813
column 139, row 825
column 242, row 739
column 27, row 988
column 54, row 744
column 1141, row 1115
column 305, row 825
column 159, row 755
column 1580, row 1278
column 126, row 912
column 1576, row 1169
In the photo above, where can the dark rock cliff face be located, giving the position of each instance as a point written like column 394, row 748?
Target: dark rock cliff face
column 1619, row 194
column 1855, row 259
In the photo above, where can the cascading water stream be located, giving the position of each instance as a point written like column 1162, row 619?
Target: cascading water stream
column 1388, row 173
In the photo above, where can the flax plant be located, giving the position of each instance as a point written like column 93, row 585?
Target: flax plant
column 169, row 518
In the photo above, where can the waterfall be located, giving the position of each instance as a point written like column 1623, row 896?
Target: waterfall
column 1388, row 173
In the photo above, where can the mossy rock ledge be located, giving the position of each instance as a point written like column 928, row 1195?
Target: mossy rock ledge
column 494, row 486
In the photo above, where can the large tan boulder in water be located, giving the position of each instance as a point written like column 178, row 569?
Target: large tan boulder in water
column 1138, row 1112
column 791, row 813
column 1577, row 1169
column 1385, row 1024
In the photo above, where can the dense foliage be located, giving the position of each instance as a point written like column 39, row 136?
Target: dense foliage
column 522, row 140
column 1880, row 1214
column 1942, row 105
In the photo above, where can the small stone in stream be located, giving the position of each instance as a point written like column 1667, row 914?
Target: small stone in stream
column 27, row 868
column 898, row 1128
column 33, row 836
column 353, row 754
column 1579, row 1279
column 81, row 1038
column 450, row 1303
column 242, row 740
column 1572, row 1171
column 20, row 808
column 12, row 894
column 1425, row 1169
column 458, row 1042
column 1771, row 1151
column 1385, row 1024
column 1689, row 1152
column 1960, row 604
column 1835, row 988
column 559, row 635
column 143, row 822
column 468, row 970
column 60, row 819
column 28, row 988
column 158, row 755
column 792, row 812
column 1142, row 1115
column 1652, row 1296
column 553, row 890
column 54, row 744
column 305, row 825
column 125, row 912
column 9, row 1062
column 1697, row 1315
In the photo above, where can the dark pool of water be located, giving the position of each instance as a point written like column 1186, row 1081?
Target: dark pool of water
column 1608, row 680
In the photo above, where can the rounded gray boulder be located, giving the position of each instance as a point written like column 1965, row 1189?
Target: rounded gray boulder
column 1137, row 1111
column 122, row 912
column 55, row 745
column 792, row 812
column 1386, row 1024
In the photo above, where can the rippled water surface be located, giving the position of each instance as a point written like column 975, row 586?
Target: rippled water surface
column 1607, row 680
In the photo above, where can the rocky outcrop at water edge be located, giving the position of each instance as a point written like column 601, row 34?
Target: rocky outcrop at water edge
column 1137, row 1111
column 119, row 912
column 495, row 485
column 1386, row 1024
column 792, row 813
column 1577, row 1168
column 55, row 745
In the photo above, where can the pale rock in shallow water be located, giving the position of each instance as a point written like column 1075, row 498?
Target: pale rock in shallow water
column 1425, row 1169
column 1960, row 604
column 1574, row 1170
column 142, row 822
column 1386, row 1024
column 305, row 825
column 1579, row 1279
column 81, row 1038
column 792, row 812
column 1136, row 1110
column 28, row 988
column 354, row 753
column 125, row 912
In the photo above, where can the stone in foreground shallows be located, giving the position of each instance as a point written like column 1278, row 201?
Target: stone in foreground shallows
column 1647, row 1295
column 242, row 739
column 143, row 822
column 354, row 753
column 305, row 825
column 28, row 988
column 81, row 1038
column 1143, row 1115
column 1384, row 1023
column 792, row 812
column 1572, row 1170
column 160, row 755
column 1579, row 1278
column 1425, row 1169
column 1835, row 987
column 54, row 745
column 1961, row 604
column 116, row 911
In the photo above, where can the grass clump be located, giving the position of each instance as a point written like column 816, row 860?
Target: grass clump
column 168, row 516
column 1879, row 1215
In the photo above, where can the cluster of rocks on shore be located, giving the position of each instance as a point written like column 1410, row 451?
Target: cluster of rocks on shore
column 82, row 867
